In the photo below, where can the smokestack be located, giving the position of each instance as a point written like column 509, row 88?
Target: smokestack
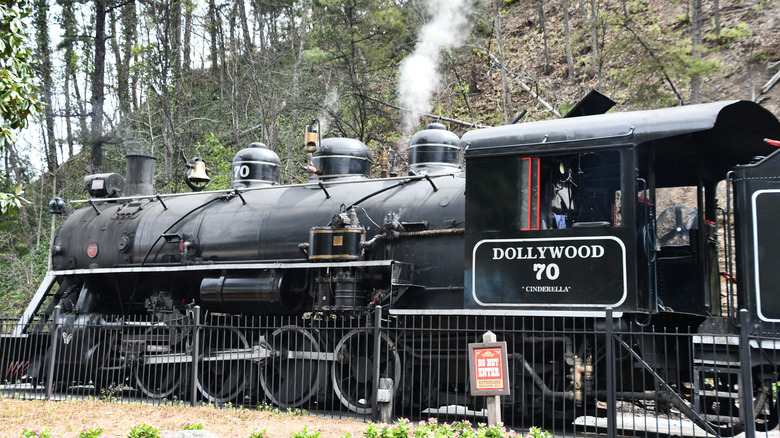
column 139, row 179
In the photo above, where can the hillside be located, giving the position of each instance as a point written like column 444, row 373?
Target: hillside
column 637, row 51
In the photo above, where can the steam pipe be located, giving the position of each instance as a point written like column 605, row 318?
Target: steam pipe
column 546, row 391
column 371, row 243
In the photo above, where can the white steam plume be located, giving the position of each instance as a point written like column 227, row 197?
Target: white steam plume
column 328, row 108
column 419, row 77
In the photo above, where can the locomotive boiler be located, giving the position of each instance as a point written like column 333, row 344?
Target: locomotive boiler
column 554, row 219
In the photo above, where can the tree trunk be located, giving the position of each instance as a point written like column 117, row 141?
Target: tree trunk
column 121, row 74
column 543, row 30
column 14, row 163
column 506, row 100
column 98, row 96
column 212, row 28
column 187, row 46
column 69, row 39
column 594, row 41
column 567, row 36
column 716, row 13
column 295, row 130
column 695, row 49
column 248, row 47
column 44, row 54
column 124, row 54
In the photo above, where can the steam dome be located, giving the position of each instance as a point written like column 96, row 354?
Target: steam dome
column 342, row 158
column 256, row 166
column 434, row 150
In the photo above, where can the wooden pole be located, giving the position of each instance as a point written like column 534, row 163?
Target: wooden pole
column 493, row 401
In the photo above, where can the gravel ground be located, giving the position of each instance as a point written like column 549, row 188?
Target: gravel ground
column 67, row 419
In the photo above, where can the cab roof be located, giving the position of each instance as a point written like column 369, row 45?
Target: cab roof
column 685, row 140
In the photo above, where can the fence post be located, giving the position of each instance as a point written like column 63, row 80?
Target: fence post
column 377, row 361
column 748, row 414
column 611, row 399
column 195, row 353
column 385, row 400
column 53, row 353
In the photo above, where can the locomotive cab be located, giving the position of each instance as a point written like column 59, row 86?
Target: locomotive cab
column 580, row 215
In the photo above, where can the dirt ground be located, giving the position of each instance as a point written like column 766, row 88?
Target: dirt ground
column 66, row 419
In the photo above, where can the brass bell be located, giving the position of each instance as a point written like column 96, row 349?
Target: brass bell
column 198, row 173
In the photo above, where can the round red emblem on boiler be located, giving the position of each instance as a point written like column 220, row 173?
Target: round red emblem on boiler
column 92, row 250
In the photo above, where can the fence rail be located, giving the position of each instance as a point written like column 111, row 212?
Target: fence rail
column 571, row 375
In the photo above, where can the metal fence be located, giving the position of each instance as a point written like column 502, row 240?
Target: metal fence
column 570, row 375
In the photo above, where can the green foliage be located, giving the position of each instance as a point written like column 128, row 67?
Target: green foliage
column 11, row 203
column 23, row 265
column 91, row 432
column 18, row 99
column 731, row 35
column 432, row 428
column 681, row 20
column 485, row 27
column 36, row 433
column 219, row 161
column 305, row 433
column 649, row 63
column 259, row 434
column 193, row 426
column 361, row 44
column 144, row 430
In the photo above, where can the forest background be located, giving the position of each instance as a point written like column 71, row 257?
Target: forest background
column 85, row 82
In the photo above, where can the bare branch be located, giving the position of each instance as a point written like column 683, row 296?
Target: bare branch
column 523, row 85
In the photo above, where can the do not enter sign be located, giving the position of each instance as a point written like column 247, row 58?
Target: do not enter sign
column 488, row 367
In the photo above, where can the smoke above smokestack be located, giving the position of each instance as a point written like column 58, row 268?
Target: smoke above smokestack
column 329, row 107
column 449, row 27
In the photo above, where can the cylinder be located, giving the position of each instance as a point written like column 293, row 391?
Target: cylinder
column 250, row 292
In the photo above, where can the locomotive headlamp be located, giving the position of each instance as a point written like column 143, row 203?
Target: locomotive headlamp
column 312, row 136
column 56, row 205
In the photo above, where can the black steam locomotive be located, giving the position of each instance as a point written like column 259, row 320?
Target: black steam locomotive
column 554, row 219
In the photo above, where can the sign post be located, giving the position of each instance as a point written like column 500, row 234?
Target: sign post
column 488, row 370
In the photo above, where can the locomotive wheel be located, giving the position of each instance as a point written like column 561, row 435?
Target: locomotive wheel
column 221, row 379
column 288, row 382
column 353, row 370
column 157, row 380
column 765, row 409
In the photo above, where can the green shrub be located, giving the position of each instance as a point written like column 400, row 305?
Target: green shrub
column 259, row 434
column 36, row 433
column 91, row 432
column 306, row 434
column 193, row 426
column 144, row 430
column 432, row 428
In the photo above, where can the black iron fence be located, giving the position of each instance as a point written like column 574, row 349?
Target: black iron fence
column 570, row 375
